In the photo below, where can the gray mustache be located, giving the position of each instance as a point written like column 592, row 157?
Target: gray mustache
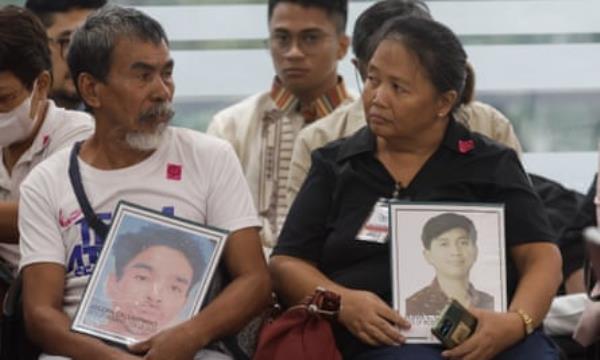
column 160, row 110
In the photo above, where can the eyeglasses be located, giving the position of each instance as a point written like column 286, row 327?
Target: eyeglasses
column 309, row 43
column 63, row 45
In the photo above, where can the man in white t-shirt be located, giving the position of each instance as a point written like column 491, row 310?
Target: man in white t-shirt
column 31, row 126
column 123, row 70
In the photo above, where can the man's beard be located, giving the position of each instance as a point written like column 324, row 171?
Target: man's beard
column 146, row 141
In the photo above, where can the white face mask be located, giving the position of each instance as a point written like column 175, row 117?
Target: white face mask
column 16, row 125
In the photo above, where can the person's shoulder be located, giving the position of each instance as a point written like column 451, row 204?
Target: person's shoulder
column 484, row 300
column 243, row 108
column 196, row 141
column 338, row 124
column 51, row 169
column 486, row 148
column 420, row 296
column 70, row 119
column 477, row 112
column 64, row 127
column 484, row 297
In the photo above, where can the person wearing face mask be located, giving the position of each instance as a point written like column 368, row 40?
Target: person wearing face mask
column 31, row 126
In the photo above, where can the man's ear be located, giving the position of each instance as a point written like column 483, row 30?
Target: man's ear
column 38, row 98
column 89, row 88
column 343, row 44
column 427, row 256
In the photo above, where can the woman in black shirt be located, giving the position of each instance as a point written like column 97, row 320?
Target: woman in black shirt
column 413, row 149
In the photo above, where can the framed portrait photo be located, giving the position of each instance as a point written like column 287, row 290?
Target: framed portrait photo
column 442, row 252
column 154, row 272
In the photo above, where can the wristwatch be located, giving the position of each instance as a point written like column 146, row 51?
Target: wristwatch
column 527, row 321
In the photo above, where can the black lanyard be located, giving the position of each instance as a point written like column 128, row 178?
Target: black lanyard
column 98, row 225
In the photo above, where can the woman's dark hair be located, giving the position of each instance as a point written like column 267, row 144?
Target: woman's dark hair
column 438, row 49
column 336, row 9
column 376, row 15
column 439, row 224
column 23, row 45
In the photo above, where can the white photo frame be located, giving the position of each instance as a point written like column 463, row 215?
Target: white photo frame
column 153, row 273
column 419, row 274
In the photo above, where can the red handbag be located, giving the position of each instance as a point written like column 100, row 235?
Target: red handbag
column 303, row 332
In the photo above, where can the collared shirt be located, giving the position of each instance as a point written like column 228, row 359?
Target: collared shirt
column 345, row 121
column 61, row 128
column 346, row 180
column 431, row 300
column 262, row 130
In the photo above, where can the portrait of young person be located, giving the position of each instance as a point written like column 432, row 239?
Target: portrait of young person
column 414, row 149
column 450, row 247
column 154, row 271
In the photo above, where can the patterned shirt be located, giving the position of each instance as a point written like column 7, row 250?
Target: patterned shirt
column 262, row 130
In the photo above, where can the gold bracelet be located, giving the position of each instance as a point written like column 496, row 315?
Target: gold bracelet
column 527, row 321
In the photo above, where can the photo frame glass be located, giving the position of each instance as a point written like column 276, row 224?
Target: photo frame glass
column 442, row 252
column 154, row 272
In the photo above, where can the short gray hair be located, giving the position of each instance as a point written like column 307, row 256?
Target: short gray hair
column 93, row 44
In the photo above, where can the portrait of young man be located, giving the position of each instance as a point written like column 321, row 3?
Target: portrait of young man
column 306, row 40
column 61, row 18
column 155, row 270
column 450, row 247
column 123, row 68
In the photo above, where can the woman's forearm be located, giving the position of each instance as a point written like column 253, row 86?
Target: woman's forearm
column 539, row 265
column 294, row 279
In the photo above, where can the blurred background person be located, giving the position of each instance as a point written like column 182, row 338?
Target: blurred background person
column 61, row 18
column 307, row 39
column 31, row 127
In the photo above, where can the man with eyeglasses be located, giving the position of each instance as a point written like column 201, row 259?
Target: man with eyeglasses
column 306, row 40
column 61, row 18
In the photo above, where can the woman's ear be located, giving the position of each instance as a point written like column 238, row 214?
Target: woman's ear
column 445, row 103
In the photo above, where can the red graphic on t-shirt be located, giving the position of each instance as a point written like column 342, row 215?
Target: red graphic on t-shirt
column 465, row 146
column 46, row 140
column 66, row 221
column 174, row 172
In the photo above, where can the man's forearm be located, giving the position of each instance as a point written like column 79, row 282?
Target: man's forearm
column 243, row 299
column 8, row 222
column 50, row 329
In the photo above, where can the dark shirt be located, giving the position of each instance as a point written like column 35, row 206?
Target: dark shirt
column 346, row 179
column 431, row 300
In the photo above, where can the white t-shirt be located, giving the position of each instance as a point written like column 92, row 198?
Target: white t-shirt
column 191, row 175
column 61, row 128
